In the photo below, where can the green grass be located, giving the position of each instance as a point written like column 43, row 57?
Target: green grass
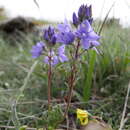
column 89, row 75
column 109, row 78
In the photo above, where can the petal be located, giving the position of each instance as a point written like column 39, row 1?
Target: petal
column 86, row 44
column 81, row 11
column 35, row 53
column 93, row 36
column 75, row 19
column 45, row 35
column 35, row 56
column 40, row 44
column 64, row 27
column 87, row 26
column 61, row 49
column 95, row 43
column 63, row 58
column 53, row 39
column 55, row 60
column 89, row 11
column 59, row 38
column 37, row 49
column 84, row 29
column 71, row 36
column 65, row 38
column 46, row 60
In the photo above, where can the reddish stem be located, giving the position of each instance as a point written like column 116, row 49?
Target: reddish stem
column 49, row 80
column 72, row 80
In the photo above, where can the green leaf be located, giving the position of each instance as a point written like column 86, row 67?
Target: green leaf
column 89, row 76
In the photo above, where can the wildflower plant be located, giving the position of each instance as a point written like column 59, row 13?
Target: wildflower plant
column 51, row 56
column 77, row 37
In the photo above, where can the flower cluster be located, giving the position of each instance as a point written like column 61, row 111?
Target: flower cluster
column 49, row 35
column 55, row 59
column 51, row 57
column 84, row 13
column 87, row 36
column 37, row 49
column 64, row 35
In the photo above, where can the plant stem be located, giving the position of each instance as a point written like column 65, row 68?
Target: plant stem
column 71, row 86
column 49, row 80
column 72, row 79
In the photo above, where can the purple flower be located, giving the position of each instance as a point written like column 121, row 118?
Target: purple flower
column 61, row 54
column 49, row 35
column 37, row 49
column 54, row 59
column 84, row 13
column 51, row 59
column 87, row 36
column 65, row 38
column 65, row 35
column 75, row 20
column 65, row 27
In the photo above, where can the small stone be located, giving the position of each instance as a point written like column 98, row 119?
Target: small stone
column 96, row 125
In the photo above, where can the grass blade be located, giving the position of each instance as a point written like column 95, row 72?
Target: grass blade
column 89, row 76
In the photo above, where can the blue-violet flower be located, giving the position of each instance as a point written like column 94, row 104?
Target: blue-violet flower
column 87, row 36
column 54, row 59
column 84, row 13
column 61, row 54
column 65, row 34
column 49, row 35
column 51, row 58
column 37, row 49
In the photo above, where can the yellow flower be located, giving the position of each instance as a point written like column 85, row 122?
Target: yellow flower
column 82, row 115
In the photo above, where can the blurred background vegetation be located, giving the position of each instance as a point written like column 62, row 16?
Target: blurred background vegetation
column 110, row 75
